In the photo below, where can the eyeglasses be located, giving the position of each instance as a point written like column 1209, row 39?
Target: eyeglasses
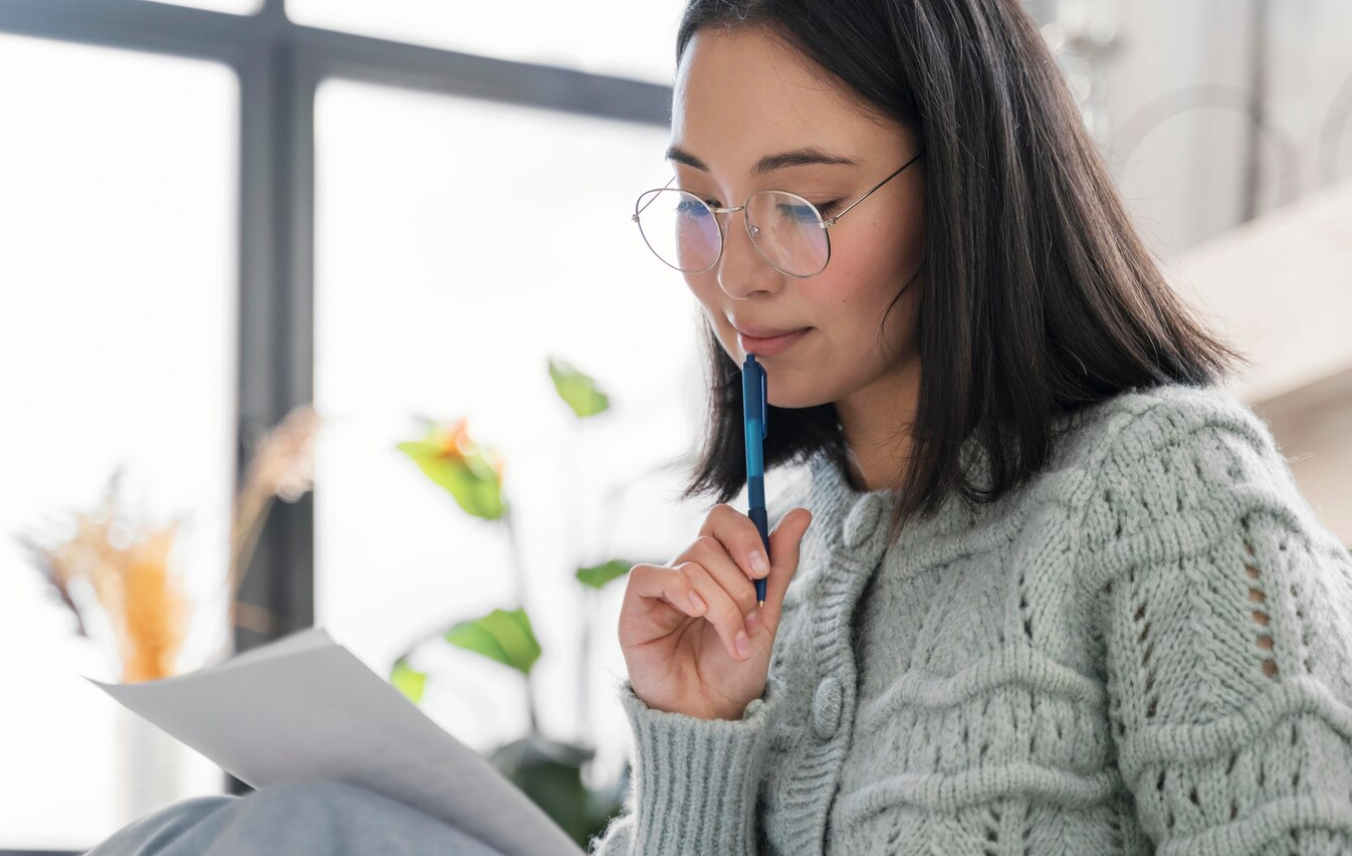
column 788, row 232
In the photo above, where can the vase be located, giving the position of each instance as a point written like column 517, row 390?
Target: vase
column 150, row 768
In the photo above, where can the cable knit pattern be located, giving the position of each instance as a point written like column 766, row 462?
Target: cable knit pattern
column 1147, row 649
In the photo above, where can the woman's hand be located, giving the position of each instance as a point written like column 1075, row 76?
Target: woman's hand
column 681, row 623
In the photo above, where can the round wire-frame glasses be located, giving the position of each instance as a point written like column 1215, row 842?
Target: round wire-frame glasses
column 811, row 224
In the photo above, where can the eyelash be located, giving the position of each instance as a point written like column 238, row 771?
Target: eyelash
column 824, row 207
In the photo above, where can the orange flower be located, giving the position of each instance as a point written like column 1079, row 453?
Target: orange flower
column 455, row 440
column 457, row 444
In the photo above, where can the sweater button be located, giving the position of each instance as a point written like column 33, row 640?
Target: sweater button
column 826, row 705
column 862, row 520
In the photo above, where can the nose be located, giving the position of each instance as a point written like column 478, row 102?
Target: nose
column 741, row 270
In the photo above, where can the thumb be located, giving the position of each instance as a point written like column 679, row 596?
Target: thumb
column 784, row 541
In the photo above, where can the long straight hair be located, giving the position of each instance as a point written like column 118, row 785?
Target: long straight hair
column 1045, row 299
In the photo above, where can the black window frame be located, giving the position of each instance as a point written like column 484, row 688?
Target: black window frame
column 280, row 65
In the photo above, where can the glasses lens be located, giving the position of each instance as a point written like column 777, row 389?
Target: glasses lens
column 679, row 228
column 788, row 232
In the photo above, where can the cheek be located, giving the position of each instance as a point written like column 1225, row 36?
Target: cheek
column 704, row 287
column 862, row 289
column 858, row 283
column 706, row 290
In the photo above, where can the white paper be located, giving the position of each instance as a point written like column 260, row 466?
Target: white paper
column 305, row 709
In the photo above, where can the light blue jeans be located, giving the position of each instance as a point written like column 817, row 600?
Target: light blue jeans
column 310, row 819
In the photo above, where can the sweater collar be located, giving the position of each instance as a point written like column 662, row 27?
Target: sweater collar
column 855, row 522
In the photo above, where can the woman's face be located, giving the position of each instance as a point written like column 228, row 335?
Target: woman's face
column 740, row 96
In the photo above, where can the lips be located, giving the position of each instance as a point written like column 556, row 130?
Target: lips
column 764, row 332
column 769, row 347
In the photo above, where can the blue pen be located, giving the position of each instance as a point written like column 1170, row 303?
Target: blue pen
column 754, row 411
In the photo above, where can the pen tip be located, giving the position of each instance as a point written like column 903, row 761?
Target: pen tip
column 760, row 603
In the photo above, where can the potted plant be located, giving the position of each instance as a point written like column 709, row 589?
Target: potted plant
column 547, row 770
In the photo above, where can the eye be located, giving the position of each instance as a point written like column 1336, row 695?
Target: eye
column 687, row 208
column 827, row 207
column 712, row 203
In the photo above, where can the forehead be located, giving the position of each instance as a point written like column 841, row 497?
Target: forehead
column 741, row 93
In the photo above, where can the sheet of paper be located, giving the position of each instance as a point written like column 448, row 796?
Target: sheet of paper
column 305, row 708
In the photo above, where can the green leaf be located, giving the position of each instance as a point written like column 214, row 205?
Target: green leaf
column 503, row 636
column 598, row 575
column 470, row 477
column 550, row 773
column 408, row 680
column 578, row 390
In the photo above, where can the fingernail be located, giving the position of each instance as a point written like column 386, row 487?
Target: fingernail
column 743, row 643
column 758, row 564
column 753, row 620
column 695, row 599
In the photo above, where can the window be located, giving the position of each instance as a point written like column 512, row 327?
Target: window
column 118, row 207
column 459, row 244
column 618, row 37
column 141, row 325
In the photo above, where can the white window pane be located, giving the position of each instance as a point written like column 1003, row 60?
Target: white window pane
column 619, row 37
column 117, row 257
column 460, row 243
column 238, row 7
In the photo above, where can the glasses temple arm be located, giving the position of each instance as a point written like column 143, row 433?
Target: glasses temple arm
column 831, row 221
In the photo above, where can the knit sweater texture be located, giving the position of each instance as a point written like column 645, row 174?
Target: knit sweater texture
column 1146, row 649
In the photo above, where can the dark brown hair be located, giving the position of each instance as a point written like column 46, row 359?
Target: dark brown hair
column 1045, row 298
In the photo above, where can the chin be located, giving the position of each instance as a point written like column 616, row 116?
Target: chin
column 789, row 398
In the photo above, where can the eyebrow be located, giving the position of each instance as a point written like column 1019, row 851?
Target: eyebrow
column 797, row 157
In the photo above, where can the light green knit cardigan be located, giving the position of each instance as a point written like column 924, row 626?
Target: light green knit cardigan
column 1147, row 649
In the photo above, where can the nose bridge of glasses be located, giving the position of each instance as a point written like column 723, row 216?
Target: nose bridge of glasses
column 723, row 223
column 752, row 230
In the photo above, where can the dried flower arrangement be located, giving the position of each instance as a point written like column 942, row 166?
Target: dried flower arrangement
column 122, row 567
column 126, row 566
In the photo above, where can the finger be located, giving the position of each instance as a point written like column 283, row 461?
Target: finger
column 723, row 612
column 785, row 540
column 740, row 537
column 786, row 537
column 670, row 586
column 713, row 556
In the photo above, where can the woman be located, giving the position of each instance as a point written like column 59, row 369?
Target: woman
column 1100, row 618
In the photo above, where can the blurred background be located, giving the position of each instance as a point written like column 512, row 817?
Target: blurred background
column 414, row 215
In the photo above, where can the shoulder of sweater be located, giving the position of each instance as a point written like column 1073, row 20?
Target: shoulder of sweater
column 1123, row 432
column 1171, row 465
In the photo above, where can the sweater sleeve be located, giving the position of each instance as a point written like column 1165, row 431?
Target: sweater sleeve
column 694, row 782
column 1228, row 637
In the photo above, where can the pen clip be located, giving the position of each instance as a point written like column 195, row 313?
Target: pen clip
column 765, row 405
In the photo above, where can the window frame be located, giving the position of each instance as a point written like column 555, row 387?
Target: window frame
column 280, row 65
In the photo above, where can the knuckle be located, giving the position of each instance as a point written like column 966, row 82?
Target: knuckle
column 745, row 599
column 723, row 513
column 706, row 543
column 690, row 570
column 721, row 509
column 635, row 578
